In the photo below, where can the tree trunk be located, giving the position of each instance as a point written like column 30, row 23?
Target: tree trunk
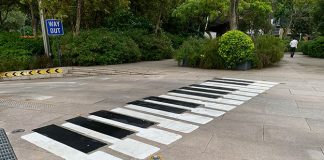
column 158, row 23
column 78, row 18
column 0, row 18
column 33, row 20
column 233, row 14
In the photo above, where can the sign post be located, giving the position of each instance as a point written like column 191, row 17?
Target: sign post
column 54, row 27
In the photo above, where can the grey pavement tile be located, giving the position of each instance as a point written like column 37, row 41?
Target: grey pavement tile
column 293, row 136
column 307, row 93
column 265, row 119
column 197, row 140
column 310, row 113
column 28, row 154
column 321, row 89
column 233, row 149
column 310, row 104
column 235, row 130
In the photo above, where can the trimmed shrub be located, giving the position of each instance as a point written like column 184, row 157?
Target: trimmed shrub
column 211, row 58
column 269, row 50
column 235, row 47
column 303, row 47
column 190, row 52
column 99, row 47
column 314, row 48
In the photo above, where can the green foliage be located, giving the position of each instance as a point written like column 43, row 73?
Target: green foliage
column 193, row 13
column 318, row 16
column 176, row 40
column 269, row 50
column 125, row 20
column 201, row 53
column 255, row 15
column 235, row 47
column 153, row 47
column 15, row 20
column 190, row 52
column 18, row 53
column 211, row 58
column 99, row 47
column 314, row 48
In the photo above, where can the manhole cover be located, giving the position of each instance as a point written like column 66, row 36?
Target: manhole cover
column 6, row 151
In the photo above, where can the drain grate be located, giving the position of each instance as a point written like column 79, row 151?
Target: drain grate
column 6, row 151
column 25, row 105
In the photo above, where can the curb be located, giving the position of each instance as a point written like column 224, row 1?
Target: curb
column 34, row 74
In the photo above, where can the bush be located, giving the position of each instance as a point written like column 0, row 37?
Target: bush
column 269, row 50
column 18, row 53
column 303, row 47
column 153, row 47
column 99, row 47
column 190, row 52
column 235, row 47
column 211, row 58
column 314, row 48
column 176, row 40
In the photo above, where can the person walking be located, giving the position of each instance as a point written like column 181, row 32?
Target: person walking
column 293, row 47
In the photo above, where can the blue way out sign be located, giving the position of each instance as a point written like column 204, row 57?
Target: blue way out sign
column 54, row 27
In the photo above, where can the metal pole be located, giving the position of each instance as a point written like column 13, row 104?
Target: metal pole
column 45, row 37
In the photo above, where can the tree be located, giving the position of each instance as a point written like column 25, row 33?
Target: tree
column 78, row 18
column 233, row 14
column 255, row 16
column 32, row 7
column 5, row 7
column 77, row 13
column 294, row 14
column 318, row 16
column 193, row 13
column 156, row 11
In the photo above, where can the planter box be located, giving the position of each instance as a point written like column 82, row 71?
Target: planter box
column 244, row 66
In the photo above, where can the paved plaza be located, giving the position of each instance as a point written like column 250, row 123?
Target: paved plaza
column 284, row 121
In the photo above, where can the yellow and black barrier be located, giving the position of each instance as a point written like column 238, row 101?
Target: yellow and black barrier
column 31, row 72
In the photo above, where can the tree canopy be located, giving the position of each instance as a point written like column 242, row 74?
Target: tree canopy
column 181, row 16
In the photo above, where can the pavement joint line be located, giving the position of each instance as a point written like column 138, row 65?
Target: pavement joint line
column 310, row 129
column 212, row 136
column 263, row 132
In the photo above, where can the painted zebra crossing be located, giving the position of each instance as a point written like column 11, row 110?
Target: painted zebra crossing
column 180, row 112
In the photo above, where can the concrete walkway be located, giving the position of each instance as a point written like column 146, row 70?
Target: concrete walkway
column 284, row 123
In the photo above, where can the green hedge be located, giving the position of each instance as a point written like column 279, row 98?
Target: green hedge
column 153, row 47
column 98, row 47
column 269, row 50
column 19, row 53
column 313, row 48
